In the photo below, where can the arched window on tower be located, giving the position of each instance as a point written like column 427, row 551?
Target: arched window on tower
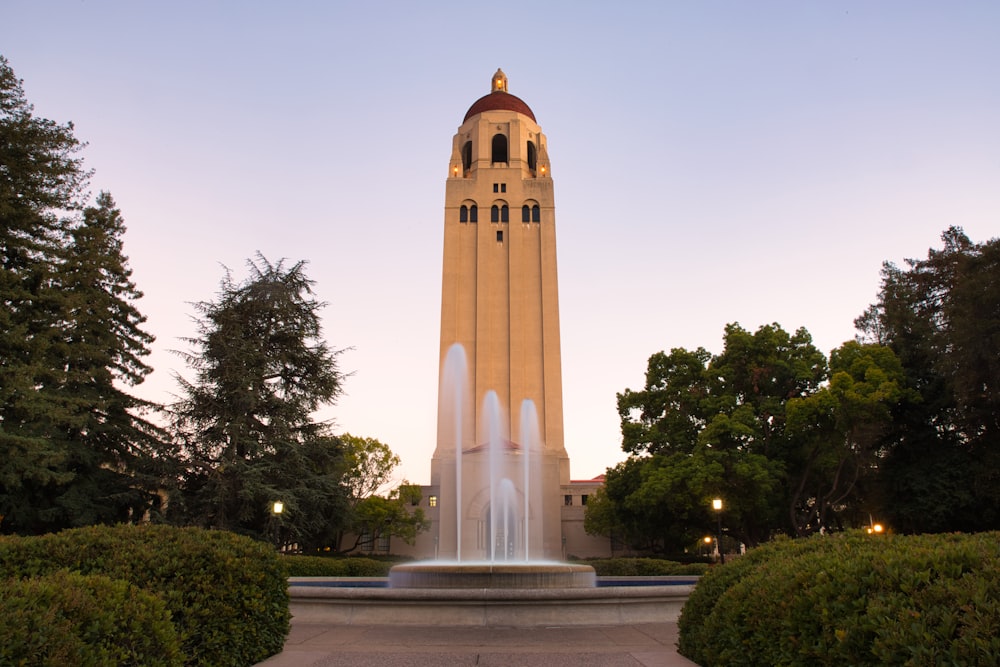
column 473, row 213
column 504, row 214
column 499, row 152
column 495, row 213
column 467, row 156
column 532, row 156
column 463, row 213
column 536, row 214
column 525, row 213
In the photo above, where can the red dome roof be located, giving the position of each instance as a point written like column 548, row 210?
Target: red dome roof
column 498, row 100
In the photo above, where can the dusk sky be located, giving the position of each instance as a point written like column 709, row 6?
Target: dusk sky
column 713, row 162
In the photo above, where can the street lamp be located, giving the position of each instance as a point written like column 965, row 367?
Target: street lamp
column 717, row 506
column 708, row 545
column 276, row 509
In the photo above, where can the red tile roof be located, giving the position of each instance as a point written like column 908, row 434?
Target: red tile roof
column 498, row 100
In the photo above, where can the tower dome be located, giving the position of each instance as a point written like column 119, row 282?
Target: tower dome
column 499, row 100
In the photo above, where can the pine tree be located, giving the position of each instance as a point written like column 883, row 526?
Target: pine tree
column 69, row 440
column 246, row 420
column 41, row 180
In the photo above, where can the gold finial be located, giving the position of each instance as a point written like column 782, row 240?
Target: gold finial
column 499, row 82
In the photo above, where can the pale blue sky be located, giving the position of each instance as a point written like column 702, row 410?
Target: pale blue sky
column 713, row 162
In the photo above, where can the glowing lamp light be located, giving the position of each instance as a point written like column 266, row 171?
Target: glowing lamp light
column 278, row 507
column 717, row 504
column 708, row 539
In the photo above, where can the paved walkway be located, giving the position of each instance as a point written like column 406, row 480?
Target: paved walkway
column 647, row 645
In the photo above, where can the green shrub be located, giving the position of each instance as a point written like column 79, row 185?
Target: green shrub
column 227, row 594
column 850, row 599
column 72, row 619
column 322, row 566
column 643, row 567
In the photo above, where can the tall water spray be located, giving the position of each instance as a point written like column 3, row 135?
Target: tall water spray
column 509, row 479
column 453, row 391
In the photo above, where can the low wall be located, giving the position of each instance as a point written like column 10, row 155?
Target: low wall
column 654, row 601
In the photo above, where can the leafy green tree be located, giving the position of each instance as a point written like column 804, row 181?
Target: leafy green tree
column 368, row 470
column 715, row 426
column 838, row 430
column 73, row 448
column 262, row 370
column 941, row 316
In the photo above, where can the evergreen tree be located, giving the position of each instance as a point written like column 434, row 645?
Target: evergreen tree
column 68, row 332
column 116, row 455
column 246, row 420
column 941, row 316
column 41, row 180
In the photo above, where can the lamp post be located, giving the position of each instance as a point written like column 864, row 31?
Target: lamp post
column 276, row 509
column 717, row 506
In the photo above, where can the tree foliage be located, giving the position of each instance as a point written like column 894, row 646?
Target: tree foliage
column 246, row 421
column 764, row 425
column 378, row 509
column 941, row 316
column 74, row 448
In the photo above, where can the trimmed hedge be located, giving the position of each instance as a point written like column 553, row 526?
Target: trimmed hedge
column 227, row 594
column 67, row 618
column 321, row 566
column 643, row 567
column 850, row 599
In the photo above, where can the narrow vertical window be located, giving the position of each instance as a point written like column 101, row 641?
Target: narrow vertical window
column 499, row 146
column 499, row 236
column 496, row 187
column 532, row 156
column 504, row 214
column 467, row 156
column 463, row 213
column 536, row 214
column 503, row 187
column 474, row 213
column 495, row 213
column 525, row 213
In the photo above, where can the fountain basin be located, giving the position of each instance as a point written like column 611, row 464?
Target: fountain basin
column 654, row 602
column 499, row 575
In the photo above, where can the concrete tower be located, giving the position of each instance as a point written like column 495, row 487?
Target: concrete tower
column 500, row 301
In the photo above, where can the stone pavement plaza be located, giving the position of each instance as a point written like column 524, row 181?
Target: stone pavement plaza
column 640, row 645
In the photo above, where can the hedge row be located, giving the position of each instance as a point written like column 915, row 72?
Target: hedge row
column 227, row 595
column 322, row 566
column 643, row 567
column 850, row 599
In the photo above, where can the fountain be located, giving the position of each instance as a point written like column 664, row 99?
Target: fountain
column 501, row 578
column 510, row 482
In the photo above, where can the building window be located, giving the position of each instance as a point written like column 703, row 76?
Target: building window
column 503, row 187
column 532, row 156
column 467, row 156
column 499, row 236
column 583, row 499
column 536, row 214
column 567, row 500
column 495, row 213
column 473, row 213
column 499, row 151
column 463, row 213
column 525, row 213
column 496, row 187
column 504, row 214
column 432, row 501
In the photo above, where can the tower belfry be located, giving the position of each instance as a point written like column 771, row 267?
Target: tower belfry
column 500, row 302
